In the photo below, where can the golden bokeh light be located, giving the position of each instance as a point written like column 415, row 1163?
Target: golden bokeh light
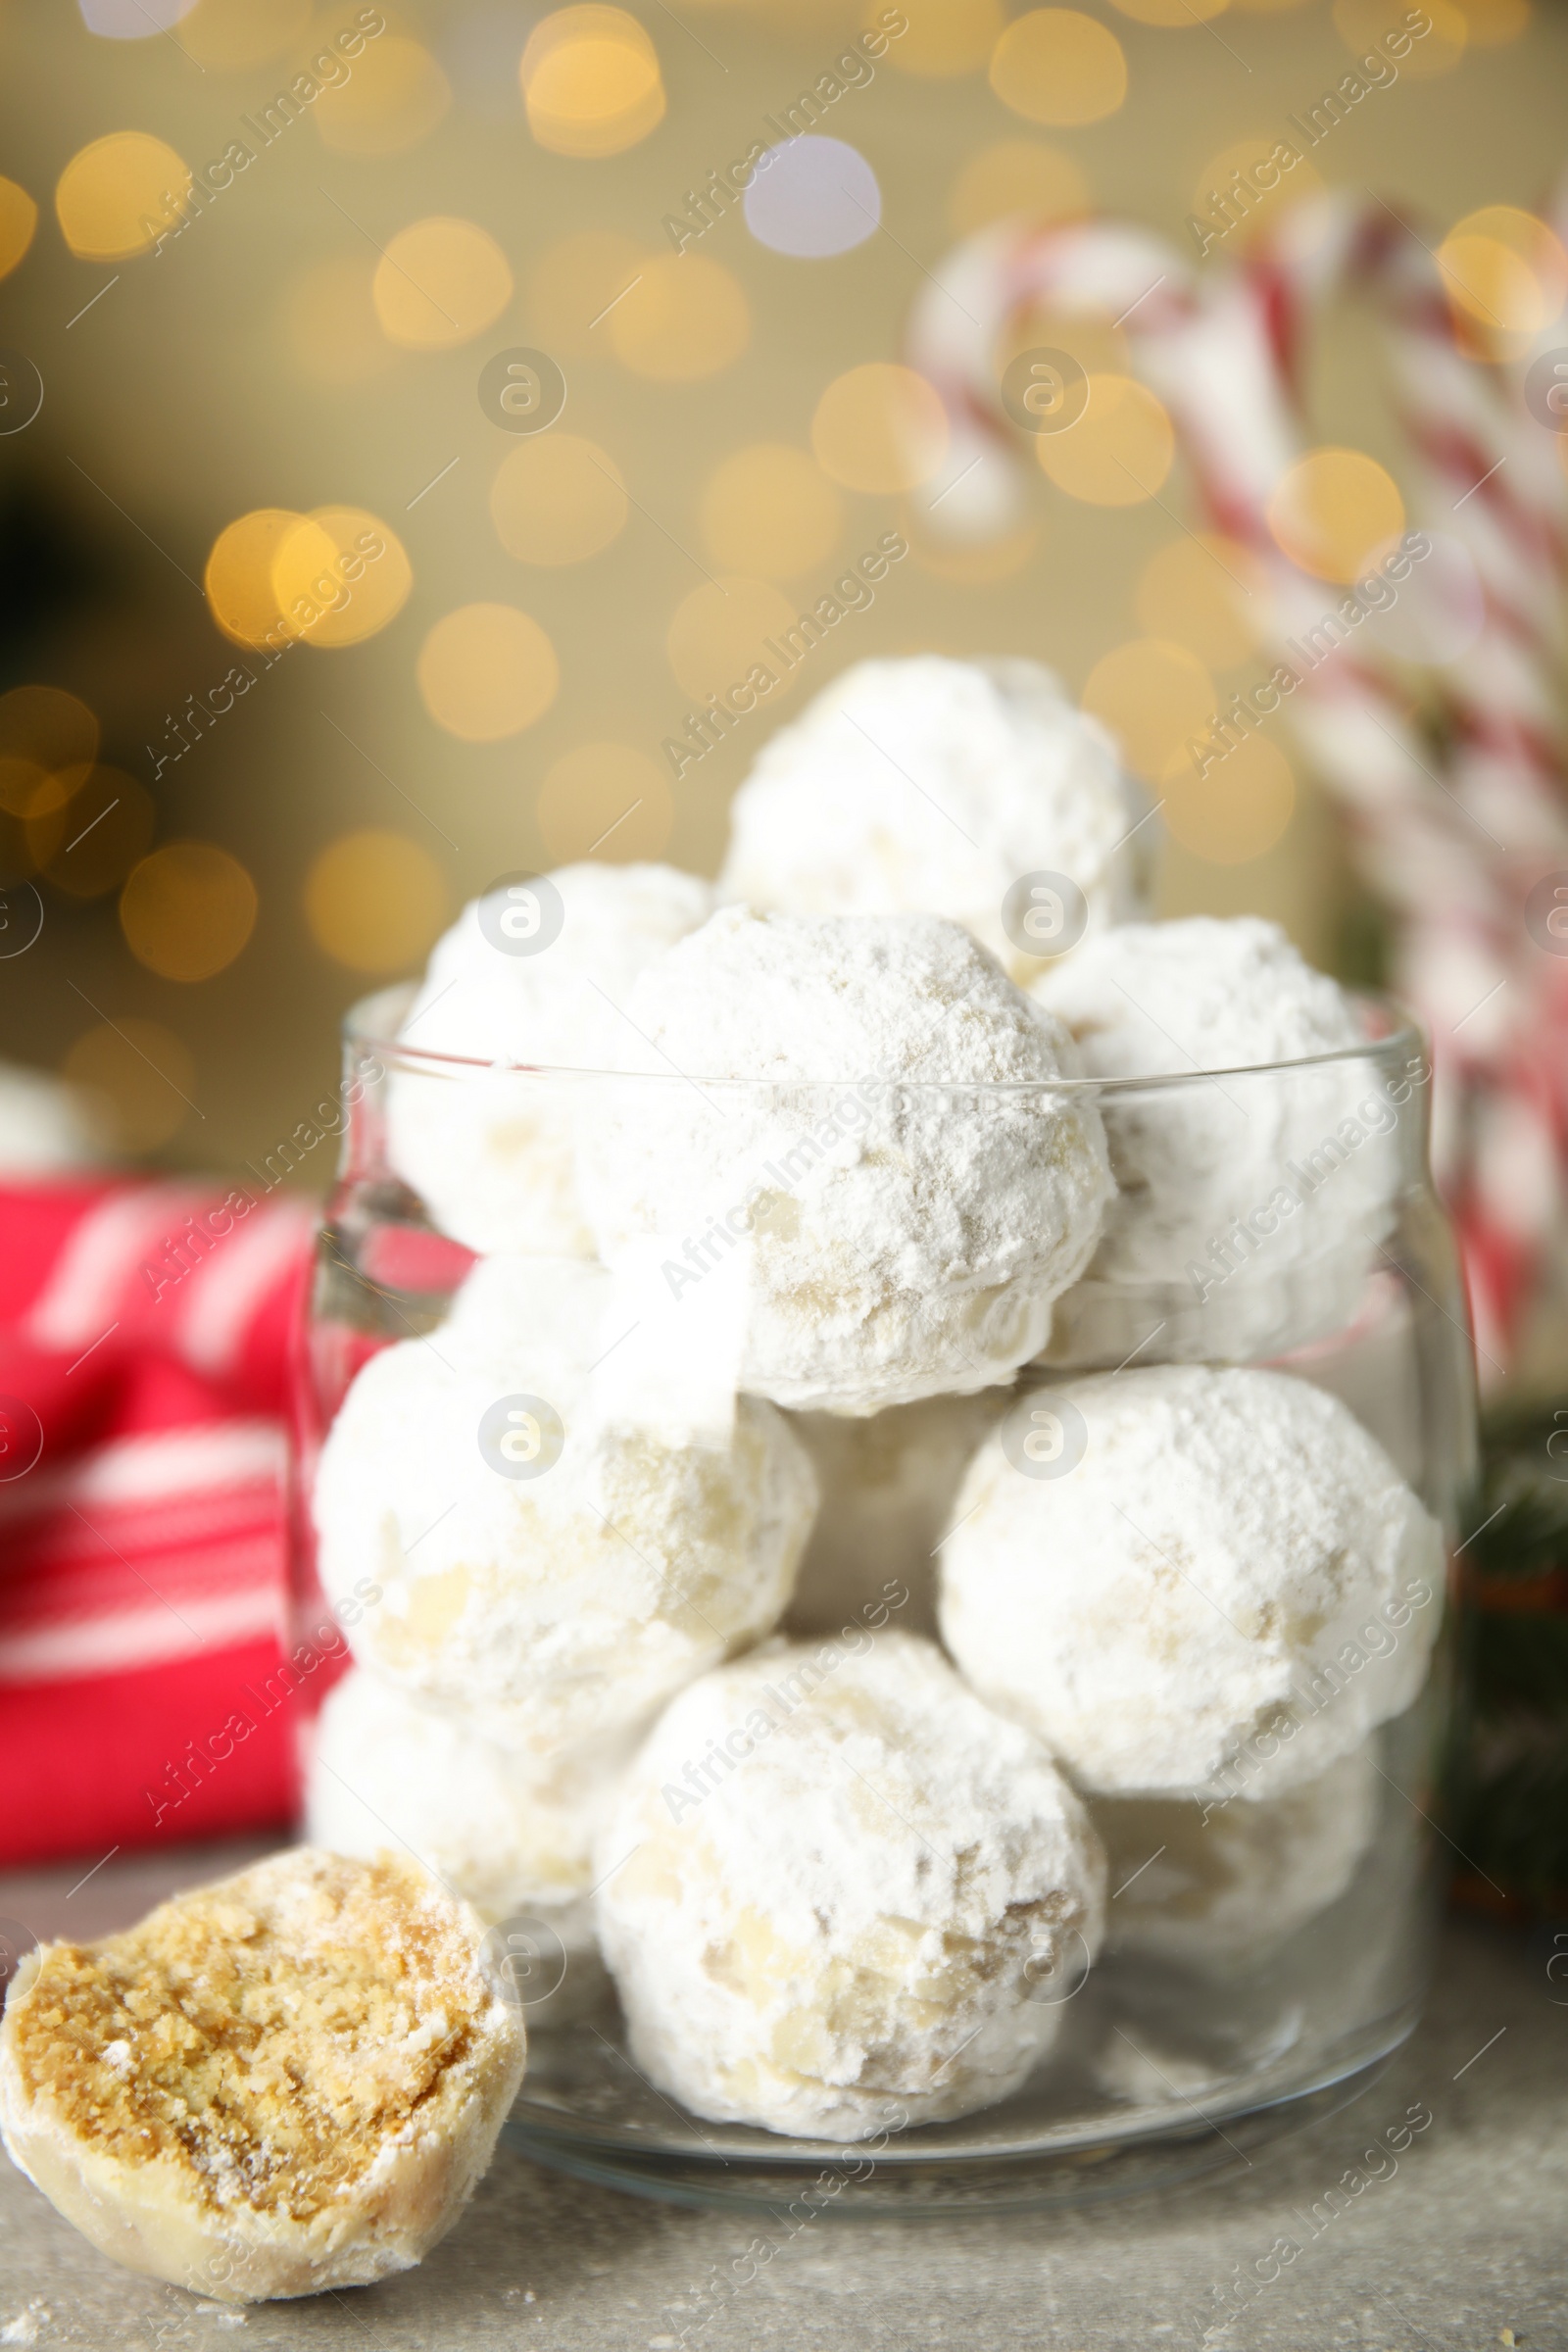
column 240, row 595
column 1120, row 450
column 880, row 427
column 1171, row 13
column 18, row 218
column 685, row 317
column 944, row 36
column 591, row 82
column 556, row 499
column 1266, row 8
column 1331, row 508
column 440, row 282
column 1018, row 179
column 1232, row 194
column 89, row 845
column 1238, row 809
column 48, row 729
column 187, row 909
column 1491, row 24
column 376, row 901
column 1364, row 26
column 572, row 286
column 394, row 97
column 1505, row 271
column 1207, row 593
column 340, row 575
column 329, row 322
column 118, row 195
column 1059, row 66
column 139, row 1081
column 227, row 36
column 1154, row 697
column 717, row 633
column 605, row 800
column 770, row 510
column 486, row 672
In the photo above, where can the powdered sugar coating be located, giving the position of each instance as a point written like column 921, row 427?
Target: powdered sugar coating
column 927, row 785
column 510, row 1836
column 907, row 1194
column 489, row 1151
column 1218, row 1885
column 548, row 1608
column 868, row 1919
column 1233, row 1564
column 1288, row 1153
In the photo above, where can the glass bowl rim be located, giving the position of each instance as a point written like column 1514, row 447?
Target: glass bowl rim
column 365, row 1022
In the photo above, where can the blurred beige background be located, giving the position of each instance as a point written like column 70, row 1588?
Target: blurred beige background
column 245, row 367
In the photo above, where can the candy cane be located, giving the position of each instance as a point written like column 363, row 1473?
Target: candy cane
column 1452, row 834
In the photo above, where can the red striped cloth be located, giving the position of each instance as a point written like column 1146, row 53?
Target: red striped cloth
column 144, row 1353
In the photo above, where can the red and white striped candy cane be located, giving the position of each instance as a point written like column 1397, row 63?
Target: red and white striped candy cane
column 1450, row 825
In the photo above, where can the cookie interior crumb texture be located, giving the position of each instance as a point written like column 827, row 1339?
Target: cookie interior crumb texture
column 287, row 2081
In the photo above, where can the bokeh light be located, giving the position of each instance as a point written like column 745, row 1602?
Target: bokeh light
column 944, row 36
column 241, row 594
column 1331, row 508
column 18, row 218
column 340, row 575
column 606, row 801
column 716, row 634
column 770, row 510
column 394, row 98
column 329, row 321
column 684, row 319
column 1364, row 26
column 1120, row 450
column 813, row 197
column 1250, row 207
column 1491, row 24
column 1172, row 13
column 1505, row 271
column 116, row 196
column 1059, row 66
column 375, row 902
column 1207, row 593
column 880, row 427
column 440, row 282
column 139, row 1080
column 1016, row 177
column 1235, row 812
column 556, row 499
column 187, row 909
column 591, row 82
column 486, row 672
column 227, row 36
column 1154, row 697
column 133, row 19
column 53, row 732
column 89, row 845
column 572, row 286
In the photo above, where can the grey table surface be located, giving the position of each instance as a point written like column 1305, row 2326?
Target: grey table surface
column 1464, row 2244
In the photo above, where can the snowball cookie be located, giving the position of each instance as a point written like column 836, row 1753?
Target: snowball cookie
column 512, row 1838
column 287, row 2081
column 545, row 1575
column 928, row 786
column 489, row 1151
column 1218, row 1571
column 852, row 1890
column 908, row 1193
column 888, row 1486
column 1216, row 1884
column 1246, row 1211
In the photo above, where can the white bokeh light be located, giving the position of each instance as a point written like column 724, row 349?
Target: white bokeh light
column 133, row 19
column 813, row 197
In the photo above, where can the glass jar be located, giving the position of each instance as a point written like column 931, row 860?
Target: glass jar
column 1268, row 1929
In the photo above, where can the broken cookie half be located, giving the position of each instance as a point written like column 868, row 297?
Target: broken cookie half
column 287, row 2081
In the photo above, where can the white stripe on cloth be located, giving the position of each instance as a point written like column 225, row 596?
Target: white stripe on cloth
column 227, row 1287
column 168, row 1464
column 146, row 1636
column 104, row 1251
